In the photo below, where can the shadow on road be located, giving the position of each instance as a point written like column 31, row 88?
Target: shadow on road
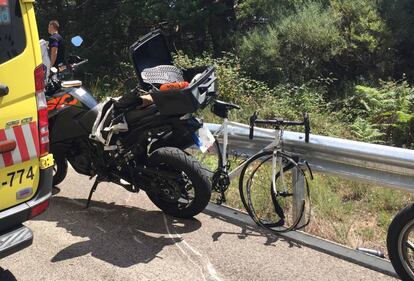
column 246, row 231
column 120, row 235
column 6, row 275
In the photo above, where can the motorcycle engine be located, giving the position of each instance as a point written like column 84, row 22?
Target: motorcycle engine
column 79, row 158
column 82, row 164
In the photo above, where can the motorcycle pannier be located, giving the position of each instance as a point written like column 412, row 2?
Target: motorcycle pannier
column 151, row 53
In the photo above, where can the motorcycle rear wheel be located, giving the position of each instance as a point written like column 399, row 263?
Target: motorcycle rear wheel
column 188, row 193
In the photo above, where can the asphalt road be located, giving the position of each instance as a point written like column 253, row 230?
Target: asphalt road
column 123, row 236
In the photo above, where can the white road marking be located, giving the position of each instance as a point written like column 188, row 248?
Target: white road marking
column 203, row 263
column 100, row 228
column 137, row 240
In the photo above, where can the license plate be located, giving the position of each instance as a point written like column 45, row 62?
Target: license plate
column 204, row 139
column 16, row 177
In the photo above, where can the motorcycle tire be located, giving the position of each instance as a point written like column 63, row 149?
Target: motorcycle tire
column 60, row 170
column 194, row 178
column 398, row 232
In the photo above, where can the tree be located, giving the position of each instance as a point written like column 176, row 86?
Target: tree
column 294, row 48
column 398, row 15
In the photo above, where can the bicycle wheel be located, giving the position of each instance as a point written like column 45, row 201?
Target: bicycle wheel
column 400, row 243
column 271, row 203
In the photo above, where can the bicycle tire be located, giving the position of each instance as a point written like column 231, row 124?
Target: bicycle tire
column 397, row 237
column 247, row 198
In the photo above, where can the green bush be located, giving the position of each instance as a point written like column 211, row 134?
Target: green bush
column 294, row 48
column 345, row 39
column 382, row 114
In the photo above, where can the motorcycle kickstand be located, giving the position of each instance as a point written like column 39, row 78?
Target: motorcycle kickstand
column 93, row 189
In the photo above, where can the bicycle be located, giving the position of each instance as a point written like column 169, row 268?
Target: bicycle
column 400, row 243
column 274, row 205
column 218, row 165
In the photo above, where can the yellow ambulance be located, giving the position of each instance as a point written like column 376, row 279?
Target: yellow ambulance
column 26, row 167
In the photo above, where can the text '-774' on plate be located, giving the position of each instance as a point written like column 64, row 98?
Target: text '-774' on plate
column 17, row 177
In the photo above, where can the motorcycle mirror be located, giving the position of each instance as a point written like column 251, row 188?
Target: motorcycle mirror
column 77, row 41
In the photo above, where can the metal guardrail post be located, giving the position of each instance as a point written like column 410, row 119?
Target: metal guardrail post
column 298, row 184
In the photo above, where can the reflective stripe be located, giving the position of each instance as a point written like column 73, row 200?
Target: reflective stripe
column 31, row 145
column 21, row 143
column 17, row 158
column 27, row 140
column 6, row 157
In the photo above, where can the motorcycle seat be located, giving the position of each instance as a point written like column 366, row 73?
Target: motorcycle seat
column 138, row 114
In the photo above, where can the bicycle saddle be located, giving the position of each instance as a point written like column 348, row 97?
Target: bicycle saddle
column 221, row 108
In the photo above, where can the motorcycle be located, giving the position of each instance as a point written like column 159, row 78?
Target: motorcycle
column 59, row 95
column 138, row 148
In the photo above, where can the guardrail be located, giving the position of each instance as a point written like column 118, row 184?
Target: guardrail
column 378, row 164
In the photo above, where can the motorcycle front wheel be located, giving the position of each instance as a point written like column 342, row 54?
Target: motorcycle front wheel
column 182, row 188
column 60, row 170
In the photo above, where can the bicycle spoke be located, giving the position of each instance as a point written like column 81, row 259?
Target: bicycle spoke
column 409, row 245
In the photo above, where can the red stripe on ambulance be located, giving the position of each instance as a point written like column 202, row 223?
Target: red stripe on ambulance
column 27, row 139
column 7, row 157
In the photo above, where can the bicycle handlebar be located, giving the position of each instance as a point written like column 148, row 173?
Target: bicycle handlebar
column 280, row 122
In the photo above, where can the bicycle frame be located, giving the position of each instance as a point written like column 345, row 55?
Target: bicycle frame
column 224, row 175
column 223, row 130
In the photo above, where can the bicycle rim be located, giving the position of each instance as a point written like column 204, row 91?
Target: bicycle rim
column 263, row 201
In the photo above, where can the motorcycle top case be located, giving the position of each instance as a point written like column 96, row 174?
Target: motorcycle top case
column 152, row 50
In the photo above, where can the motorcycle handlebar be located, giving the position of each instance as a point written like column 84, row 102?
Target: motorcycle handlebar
column 71, row 67
column 75, row 65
